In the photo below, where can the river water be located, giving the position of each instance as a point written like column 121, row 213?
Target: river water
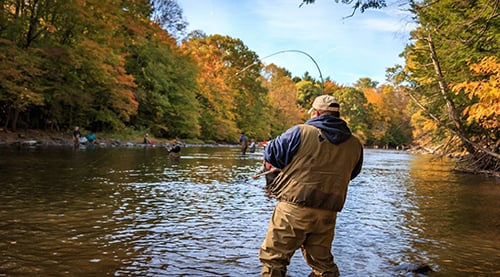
column 133, row 212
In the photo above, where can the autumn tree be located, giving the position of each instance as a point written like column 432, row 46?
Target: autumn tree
column 94, row 49
column 21, row 24
column 285, row 111
column 77, row 50
column 379, row 121
column 389, row 123
column 484, row 112
column 19, row 91
column 331, row 86
column 231, row 97
column 214, row 94
column 449, row 36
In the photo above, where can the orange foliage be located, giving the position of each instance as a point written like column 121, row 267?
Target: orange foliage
column 373, row 97
column 330, row 87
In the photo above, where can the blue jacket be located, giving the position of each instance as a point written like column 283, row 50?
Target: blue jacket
column 281, row 150
column 317, row 160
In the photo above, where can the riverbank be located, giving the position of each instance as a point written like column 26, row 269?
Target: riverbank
column 54, row 138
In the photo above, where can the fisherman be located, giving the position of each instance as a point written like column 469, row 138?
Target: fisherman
column 146, row 139
column 174, row 152
column 252, row 146
column 76, row 137
column 243, row 143
column 317, row 160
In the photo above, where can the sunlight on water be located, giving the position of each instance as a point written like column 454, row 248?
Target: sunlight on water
column 134, row 212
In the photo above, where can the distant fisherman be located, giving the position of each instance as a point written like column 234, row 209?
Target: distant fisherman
column 76, row 137
column 174, row 152
column 146, row 139
column 243, row 143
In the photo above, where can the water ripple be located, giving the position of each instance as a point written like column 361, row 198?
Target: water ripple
column 133, row 212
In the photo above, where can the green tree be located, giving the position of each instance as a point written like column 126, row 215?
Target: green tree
column 168, row 14
column 354, row 109
column 357, row 4
column 307, row 90
column 166, row 83
column 366, row 82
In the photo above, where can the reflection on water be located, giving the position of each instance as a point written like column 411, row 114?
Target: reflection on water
column 133, row 212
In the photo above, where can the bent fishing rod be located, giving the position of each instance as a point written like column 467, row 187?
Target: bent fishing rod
column 295, row 51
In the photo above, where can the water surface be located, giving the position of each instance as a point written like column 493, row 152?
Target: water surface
column 133, row 212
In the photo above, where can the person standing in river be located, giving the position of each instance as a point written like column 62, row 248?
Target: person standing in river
column 317, row 160
column 76, row 137
column 174, row 152
column 243, row 143
column 252, row 146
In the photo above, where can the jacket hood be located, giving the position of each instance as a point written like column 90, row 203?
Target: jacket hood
column 334, row 128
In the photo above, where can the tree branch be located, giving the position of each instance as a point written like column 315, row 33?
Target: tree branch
column 463, row 138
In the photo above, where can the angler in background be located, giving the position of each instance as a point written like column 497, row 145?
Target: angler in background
column 146, row 140
column 243, row 143
column 174, row 151
column 252, row 146
column 76, row 137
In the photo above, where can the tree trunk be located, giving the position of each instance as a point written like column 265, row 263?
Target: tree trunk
column 14, row 120
column 452, row 111
column 7, row 120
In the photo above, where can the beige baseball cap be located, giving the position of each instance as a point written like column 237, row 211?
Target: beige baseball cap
column 325, row 103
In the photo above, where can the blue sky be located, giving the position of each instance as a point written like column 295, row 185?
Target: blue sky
column 345, row 49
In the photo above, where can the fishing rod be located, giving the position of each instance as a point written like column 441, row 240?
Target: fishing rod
column 310, row 57
column 262, row 174
column 295, row 51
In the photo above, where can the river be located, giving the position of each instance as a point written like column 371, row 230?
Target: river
column 133, row 212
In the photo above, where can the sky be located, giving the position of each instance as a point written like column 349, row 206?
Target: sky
column 344, row 49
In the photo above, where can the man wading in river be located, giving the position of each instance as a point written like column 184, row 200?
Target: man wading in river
column 317, row 160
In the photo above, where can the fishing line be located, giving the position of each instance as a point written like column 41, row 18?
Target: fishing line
column 295, row 51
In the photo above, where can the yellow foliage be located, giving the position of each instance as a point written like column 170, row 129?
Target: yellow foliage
column 485, row 111
column 422, row 125
column 50, row 28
